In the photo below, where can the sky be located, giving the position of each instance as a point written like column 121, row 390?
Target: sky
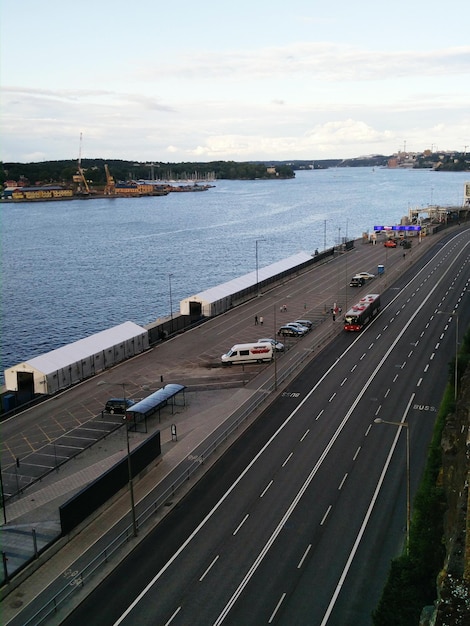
column 206, row 80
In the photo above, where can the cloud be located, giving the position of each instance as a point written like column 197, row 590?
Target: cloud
column 325, row 61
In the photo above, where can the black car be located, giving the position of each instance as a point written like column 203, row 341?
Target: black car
column 118, row 405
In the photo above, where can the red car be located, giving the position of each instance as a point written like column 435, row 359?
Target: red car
column 390, row 243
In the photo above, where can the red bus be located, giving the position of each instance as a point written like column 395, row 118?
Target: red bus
column 362, row 312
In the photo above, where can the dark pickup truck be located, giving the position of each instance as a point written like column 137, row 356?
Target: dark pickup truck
column 357, row 281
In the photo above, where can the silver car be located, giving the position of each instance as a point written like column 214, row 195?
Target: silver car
column 277, row 345
column 307, row 323
column 303, row 330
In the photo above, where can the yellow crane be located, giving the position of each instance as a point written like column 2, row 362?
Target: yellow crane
column 109, row 189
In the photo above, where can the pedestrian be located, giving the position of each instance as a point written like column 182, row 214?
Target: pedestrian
column 256, row 320
column 284, row 308
column 261, row 320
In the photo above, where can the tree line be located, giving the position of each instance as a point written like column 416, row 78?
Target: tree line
column 62, row 172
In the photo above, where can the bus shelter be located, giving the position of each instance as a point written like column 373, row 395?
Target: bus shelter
column 153, row 403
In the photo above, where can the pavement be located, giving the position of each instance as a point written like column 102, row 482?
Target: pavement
column 33, row 518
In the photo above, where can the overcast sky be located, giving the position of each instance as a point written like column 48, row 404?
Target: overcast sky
column 154, row 80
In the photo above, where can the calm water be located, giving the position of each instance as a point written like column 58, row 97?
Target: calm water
column 74, row 268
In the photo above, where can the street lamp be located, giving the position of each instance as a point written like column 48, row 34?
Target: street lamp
column 3, row 496
column 456, row 315
column 408, row 511
column 170, row 276
column 257, row 281
column 129, row 464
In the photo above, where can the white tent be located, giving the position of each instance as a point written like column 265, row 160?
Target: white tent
column 70, row 364
column 219, row 299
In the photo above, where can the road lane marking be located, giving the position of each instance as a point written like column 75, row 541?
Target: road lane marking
column 309, row 547
column 288, row 459
column 342, row 482
column 173, row 616
column 266, row 488
column 326, row 515
column 240, row 525
column 305, row 434
column 210, row 567
column 276, row 609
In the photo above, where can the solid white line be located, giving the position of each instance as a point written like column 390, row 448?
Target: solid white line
column 365, row 521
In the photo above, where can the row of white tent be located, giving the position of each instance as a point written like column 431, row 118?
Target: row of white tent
column 49, row 373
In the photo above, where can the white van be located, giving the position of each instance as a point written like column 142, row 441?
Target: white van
column 246, row 352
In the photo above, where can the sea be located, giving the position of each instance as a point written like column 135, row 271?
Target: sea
column 74, row 268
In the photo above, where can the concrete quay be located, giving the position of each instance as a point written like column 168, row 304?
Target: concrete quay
column 213, row 396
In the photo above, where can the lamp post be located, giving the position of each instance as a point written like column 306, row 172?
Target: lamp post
column 3, row 497
column 456, row 315
column 257, row 281
column 170, row 276
column 129, row 464
column 408, row 508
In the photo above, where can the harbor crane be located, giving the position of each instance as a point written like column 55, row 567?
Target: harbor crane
column 109, row 189
column 80, row 175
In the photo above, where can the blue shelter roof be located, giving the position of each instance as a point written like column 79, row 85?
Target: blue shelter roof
column 155, row 400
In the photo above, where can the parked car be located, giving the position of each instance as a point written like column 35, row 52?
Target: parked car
column 302, row 329
column 390, row 243
column 406, row 243
column 307, row 323
column 366, row 275
column 290, row 331
column 118, row 405
column 277, row 345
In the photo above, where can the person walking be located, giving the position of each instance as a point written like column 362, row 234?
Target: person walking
column 261, row 320
column 256, row 320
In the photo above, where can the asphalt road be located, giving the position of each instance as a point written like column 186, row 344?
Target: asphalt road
column 297, row 523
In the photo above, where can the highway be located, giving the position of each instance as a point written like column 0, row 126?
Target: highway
column 298, row 522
